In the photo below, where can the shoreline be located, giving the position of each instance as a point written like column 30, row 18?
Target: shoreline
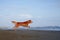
column 29, row 35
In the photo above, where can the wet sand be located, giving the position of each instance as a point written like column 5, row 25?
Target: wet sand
column 29, row 35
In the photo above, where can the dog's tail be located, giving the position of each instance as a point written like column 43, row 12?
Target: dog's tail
column 14, row 22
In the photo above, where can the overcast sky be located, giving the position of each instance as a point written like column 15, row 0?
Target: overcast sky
column 41, row 12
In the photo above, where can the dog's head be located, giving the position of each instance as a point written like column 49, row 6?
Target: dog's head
column 29, row 21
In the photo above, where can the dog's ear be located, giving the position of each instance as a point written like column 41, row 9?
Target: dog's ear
column 30, row 21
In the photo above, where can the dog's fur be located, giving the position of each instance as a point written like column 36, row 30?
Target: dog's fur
column 24, row 24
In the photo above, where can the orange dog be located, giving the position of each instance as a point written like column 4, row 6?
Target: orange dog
column 24, row 24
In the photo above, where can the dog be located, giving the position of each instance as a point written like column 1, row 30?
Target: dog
column 24, row 24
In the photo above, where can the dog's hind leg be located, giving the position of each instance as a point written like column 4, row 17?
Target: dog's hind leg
column 15, row 27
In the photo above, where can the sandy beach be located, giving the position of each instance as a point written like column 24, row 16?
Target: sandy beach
column 29, row 35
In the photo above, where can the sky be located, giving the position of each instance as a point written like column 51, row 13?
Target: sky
column 41, row 12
